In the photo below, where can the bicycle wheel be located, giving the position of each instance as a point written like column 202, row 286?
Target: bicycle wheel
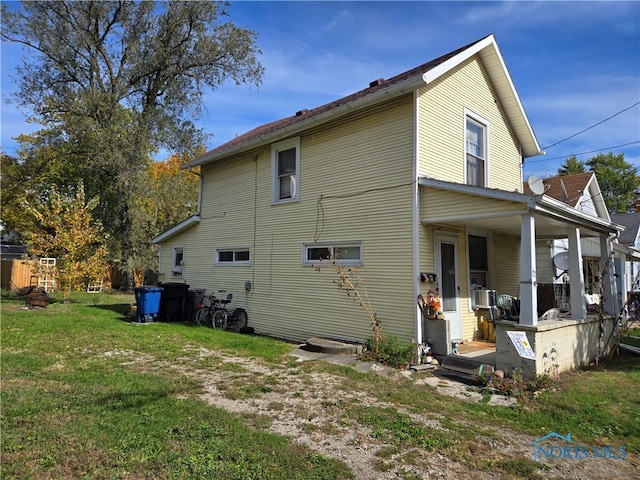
column 201, row 316
column 240, row 319
column 219, row 319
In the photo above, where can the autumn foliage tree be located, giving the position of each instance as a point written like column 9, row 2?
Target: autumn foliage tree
column 64, row 230
column 168, row 196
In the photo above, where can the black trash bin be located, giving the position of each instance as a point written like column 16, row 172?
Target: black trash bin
column 194, row 297
column 172, row 301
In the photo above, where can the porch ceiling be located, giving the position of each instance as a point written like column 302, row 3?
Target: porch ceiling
column 546, row 227
column 501, row 211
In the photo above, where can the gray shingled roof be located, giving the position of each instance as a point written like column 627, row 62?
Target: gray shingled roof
column 631, row 222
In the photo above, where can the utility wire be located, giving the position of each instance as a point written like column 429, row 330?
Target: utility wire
column 592, row 126
column 583, row 153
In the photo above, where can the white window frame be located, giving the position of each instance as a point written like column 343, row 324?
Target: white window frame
column 177, row 270
column 234, row 251
column 276, row 148
column 484, row 123
column 333, row 246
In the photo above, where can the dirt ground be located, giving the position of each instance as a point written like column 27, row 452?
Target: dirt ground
column 307, row 408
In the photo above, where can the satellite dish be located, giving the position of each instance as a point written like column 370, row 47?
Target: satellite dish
column 561, row 262
column 536, row 185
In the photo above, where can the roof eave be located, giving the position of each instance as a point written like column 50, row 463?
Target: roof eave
column 176, row 229
column 494, row 62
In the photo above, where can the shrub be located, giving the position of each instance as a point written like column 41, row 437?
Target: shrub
column 389, row 350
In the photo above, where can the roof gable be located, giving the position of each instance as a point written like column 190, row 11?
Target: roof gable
column 382, row 90
column 580, row 191
column 631, row 222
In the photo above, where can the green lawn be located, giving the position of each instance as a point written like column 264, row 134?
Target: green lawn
column 71, row 408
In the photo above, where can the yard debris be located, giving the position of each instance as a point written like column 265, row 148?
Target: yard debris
column 37, row 298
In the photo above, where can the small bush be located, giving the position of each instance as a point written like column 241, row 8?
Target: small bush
column 389, row 350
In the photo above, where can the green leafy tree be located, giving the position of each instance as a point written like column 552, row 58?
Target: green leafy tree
column 113, row 82
column 64, row 230
column 572, row 166
column 618, row 181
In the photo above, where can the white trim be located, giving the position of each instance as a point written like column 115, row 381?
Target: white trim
column 179, row 228
column 275, row 183
column 486, row 124
column 234, row 262
column 333, row 245
column 177, row 271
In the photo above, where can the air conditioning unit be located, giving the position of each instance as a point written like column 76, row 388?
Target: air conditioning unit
column 483, row 298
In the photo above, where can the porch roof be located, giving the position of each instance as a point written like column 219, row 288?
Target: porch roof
column 552, row 216
column 176, row 229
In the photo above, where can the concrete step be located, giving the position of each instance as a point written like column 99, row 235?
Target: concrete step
column 325, row 345
column 466, row 365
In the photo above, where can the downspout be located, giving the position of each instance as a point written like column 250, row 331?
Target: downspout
column 419, row 334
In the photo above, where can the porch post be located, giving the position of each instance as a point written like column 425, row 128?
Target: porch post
column 576, row 276
column 608, row 280
column 528, row 284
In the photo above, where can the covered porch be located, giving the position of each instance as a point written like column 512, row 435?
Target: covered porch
column 561, row 339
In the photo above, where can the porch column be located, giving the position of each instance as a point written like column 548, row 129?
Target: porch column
column 576, row 275
column 608, row 280
column 528, row 284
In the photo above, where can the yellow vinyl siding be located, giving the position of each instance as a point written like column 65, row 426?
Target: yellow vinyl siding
column 507, row 264
column 355, row 185
column 438, row 204
column 441, row 128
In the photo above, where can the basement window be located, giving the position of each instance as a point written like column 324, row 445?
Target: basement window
column 345, row 253
column 233, row 256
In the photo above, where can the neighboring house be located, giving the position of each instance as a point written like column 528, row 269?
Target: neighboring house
column 416, row 180
column 628, row 265
column 582, row 192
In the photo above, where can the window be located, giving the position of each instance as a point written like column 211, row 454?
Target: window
column 233, row 256
column 478, row 261
column 178, row 261
column 286, row 170
column 345, row 253
column 476, row 151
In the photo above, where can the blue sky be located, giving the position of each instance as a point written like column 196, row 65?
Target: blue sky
column 574, row 64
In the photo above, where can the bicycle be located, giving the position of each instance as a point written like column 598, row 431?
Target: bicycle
column 205, row 311
column 211, row 313
column 223, row 318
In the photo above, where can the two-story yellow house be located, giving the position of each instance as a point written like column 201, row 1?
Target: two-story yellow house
column 416, row 180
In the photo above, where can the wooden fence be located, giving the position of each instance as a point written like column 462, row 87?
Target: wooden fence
column 16, row 274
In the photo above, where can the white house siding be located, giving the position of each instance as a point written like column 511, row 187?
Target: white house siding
column 441, row 127
column 292, row 301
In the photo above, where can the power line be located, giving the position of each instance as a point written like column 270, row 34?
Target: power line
column 583, row 153
column 592, row 126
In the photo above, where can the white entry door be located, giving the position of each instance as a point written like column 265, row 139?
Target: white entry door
column 449, row 282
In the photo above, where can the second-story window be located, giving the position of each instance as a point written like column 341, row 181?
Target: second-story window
column 476, row 152
column 286, row 170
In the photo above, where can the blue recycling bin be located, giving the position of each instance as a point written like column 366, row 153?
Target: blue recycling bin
column 147, row 303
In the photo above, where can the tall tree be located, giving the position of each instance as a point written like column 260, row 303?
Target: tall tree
column 572, row 166
column 618, row 181
column 118, row 80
